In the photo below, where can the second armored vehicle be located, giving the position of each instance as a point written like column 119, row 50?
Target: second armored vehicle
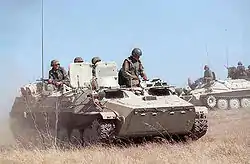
column 221, row 94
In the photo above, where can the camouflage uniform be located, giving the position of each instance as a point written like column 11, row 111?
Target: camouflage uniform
column 241, row 71
column 208, row 76
column 232, row 72
column 248, row 72
column 57, row 76
column 131, row 69
column 94, row 61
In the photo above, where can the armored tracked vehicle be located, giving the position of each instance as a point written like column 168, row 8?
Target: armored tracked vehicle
column 101, row 110
column 234, row 74
column 220, row 94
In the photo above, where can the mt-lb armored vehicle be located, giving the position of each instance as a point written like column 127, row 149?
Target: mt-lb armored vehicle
column 220, row 94
column 233, row 73
column 101, row 110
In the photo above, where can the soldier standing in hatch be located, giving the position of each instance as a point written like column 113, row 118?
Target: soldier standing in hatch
column 57, row 75
column 248, row 71
column 131, row 69
column 241, row 71
column 208, row 75
column 78, row 60
column 94, row 61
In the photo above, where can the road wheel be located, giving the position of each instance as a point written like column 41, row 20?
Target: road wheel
column 222, row 104
column 211, row 101
column 234, row 104
column 245, row 103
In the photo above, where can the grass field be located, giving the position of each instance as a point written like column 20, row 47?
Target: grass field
column 227, row 141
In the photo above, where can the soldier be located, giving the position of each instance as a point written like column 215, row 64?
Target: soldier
column 78, row 60
column 94, row 61
column 57, row 74
column 208, row 75
column 131, row 69
column 240, row 65
column 248, row 71
column 232, row 72
column 241, row 71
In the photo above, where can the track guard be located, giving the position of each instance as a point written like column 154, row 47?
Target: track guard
column 108, row 115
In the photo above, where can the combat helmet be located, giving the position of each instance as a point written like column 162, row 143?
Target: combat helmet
column 78, row 60
column 95, row 60
column 53, row 62
column 206, row 67
column 136, row 52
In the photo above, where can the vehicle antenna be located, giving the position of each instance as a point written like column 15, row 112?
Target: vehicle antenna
column 207, row 54
column 42, row 59
column 227, row 57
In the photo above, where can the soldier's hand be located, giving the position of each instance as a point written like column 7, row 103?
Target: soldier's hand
column 59, row 83
column 135, row 78
column 50, row 81
column 145, row 78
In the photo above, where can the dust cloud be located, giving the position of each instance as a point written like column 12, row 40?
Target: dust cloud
column 17, row 20
column 10, row 83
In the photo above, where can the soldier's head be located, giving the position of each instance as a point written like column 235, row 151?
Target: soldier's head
column 136, row 53
column 248, row 67
column 78, row 60
column 239, row 63
column 95, row 60
column 206, row 67
column 55, row 64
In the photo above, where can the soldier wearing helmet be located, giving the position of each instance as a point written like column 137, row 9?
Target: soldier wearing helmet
column 248, row 71
column 241, row 71
column 94, row 61
column 131, row 69
column 208, row 75
column 232, row 72
column 78, row 60
column 57, row 74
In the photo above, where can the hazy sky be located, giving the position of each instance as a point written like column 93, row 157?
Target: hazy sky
column 172, row 35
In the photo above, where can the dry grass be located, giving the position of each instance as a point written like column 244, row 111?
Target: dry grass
column 227, row 141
